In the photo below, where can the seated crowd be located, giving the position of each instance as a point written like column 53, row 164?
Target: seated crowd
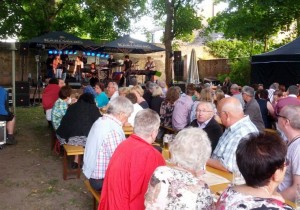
column 224, row 128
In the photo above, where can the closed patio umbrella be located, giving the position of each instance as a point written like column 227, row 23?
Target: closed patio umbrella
column 193, row 75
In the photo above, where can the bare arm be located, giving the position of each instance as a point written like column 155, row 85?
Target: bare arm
column 270, row 109
column 216, row 164
column 290, row 192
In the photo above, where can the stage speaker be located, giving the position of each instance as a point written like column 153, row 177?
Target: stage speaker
column 22, row 93
column 177, row 56
column 178, row 70
column 24, row 49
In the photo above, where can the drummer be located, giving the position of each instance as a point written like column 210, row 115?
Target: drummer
column 150, row 66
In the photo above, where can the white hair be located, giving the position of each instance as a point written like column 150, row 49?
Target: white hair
column 191, row 148
column 145, row 122
column 119, row 105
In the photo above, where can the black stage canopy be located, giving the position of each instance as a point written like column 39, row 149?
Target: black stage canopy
column 281, row 65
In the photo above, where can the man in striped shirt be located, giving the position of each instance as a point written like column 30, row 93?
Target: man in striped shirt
column 104, row 137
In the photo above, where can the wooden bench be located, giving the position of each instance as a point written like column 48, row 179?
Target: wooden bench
column 96, row 194
column 70, row 150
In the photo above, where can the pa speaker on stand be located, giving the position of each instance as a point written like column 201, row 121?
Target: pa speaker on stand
column 22, row 93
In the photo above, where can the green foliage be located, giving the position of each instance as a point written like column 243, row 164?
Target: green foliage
column 96, row 19
column 255, row 20
column 239, row 71
column 234, row 48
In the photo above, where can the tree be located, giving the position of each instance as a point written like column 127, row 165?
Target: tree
column 179, row 18
column 94, row 19
column 255, row 20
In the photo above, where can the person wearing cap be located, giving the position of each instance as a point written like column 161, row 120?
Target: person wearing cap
column 251, row 108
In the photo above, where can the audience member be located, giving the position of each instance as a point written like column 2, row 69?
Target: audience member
column 132, row 166
column 136, row 107
column 87, row 88
column 101, row 98
column 77, row 122
column 60, row 107
column 139, row 92
column 205, row 95
column 112, row 90
column 50, row 95
column 189, row 152
column 7, row 116
column 251, row 108
column 123, row 91
column 148, row 92
column 271, row 90
column 182, row 109
column 205, row 120
column 266, row 108
column 156, row 99
column 289, row 124
column 261, row 161
column 237, row 126
column 167, row 106
column 104, row 137
column 291, row 99
column 276, row 96
column 235, row 92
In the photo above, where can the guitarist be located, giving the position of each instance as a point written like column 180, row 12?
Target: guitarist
column 150, row 66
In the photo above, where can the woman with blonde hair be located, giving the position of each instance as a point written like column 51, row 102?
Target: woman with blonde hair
column 139, row 92
column 157, row 99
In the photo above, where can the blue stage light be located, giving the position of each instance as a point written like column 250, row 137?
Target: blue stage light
column 50, row 52
column 82, row 53
column 55, row 51
column 60, row 52
column 102, row 56
column 93, row 54
column 75, row 52
column 66, row 52
column 98, row 55
column 70, row 52
column 88, row 54
column 107, row 56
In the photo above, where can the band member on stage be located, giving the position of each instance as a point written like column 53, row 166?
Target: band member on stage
column 150, row 66
column 126, row 69
column 111, row 61
column 77, row 68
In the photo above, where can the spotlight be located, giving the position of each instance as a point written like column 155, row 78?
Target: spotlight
column 98, row 55
column 93, row 54
column 102, row 55
column 60, row 52
column 55, row 51
column 88, row 54
column 50, row 52
column 67, row 52
column 82, row 53
column 70, row 52
column 106, row 56
column 75, row 52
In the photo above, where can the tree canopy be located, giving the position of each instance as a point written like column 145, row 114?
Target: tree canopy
column 97, row 19
column 255, row 19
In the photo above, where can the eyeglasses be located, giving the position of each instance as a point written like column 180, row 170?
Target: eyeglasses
column 203, row 111
column 278, row 115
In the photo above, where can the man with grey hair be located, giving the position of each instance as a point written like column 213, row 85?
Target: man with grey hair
column 271, row 90
column 252, row 108
column 289, row 124
column 132, row 165
column 112, row 90
column 235, row 92
column 237, row 126
column 104, row 137
column 291, row 99
column 206, row 121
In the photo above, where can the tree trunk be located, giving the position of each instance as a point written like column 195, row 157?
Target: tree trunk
column 168, row 38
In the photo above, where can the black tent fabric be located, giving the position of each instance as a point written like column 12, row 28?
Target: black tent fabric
column 61, row 40
column 281, row 65
column 126, row 44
